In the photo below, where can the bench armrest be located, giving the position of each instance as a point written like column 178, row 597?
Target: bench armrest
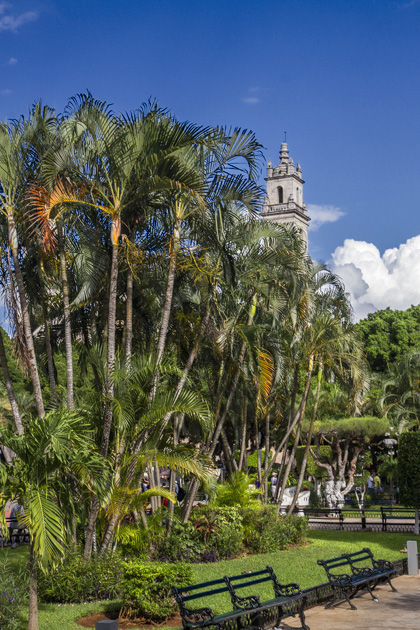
column 287, row 590
column 343, row 579
column 383, row 564
column 197, row 615
column 245, row 603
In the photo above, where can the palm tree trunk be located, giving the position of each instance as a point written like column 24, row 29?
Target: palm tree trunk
column 129, row 318
column 211, row 444
column 266, row 457
column 33, row 589
column 164, row 325
column 242, row 454
column 308, row 442
column 109, row 391
column 112, row 315
column 301, row 414
column 91, row 527
column 67, row 320
column 9, row 387
column 188, row 366
column 258, row 445
column 48, row 348
column 231, row 464
column 30, row 348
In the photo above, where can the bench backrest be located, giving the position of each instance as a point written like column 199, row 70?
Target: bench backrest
column 186, row 594
column 335, row 566
column 245, row 580
column 364, row 555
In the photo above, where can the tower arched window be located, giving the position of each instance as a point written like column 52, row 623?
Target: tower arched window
column 280, row 192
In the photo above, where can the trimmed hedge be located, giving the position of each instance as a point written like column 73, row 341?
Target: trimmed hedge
column 409, row 468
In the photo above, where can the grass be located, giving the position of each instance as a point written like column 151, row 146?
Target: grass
column 291, row 565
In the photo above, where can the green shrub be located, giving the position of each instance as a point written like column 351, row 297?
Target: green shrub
column 78, row 580
column 265, row 531
column 237, row 490
column 409, row 468
column 133, row 539
column 184, row 544
column 146, row 588
column 220, row 530
column 13, row 593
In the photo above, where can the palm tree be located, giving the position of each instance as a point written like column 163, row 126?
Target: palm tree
column 16, row 158
column 51, row 448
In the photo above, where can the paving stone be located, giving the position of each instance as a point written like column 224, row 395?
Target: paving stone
column 393, row 610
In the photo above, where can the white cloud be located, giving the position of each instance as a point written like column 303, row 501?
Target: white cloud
column 374, row 281
column 6, row 92
column 10, row 22
column 250, row 100
column 12, row 61
column 323, row 214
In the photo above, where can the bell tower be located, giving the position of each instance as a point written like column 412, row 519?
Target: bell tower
column 284, row 197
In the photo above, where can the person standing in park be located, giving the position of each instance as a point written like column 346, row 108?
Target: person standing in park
column 273, row 485
column 377, row 483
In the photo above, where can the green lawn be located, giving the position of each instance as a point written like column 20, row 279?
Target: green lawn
column 291, row 565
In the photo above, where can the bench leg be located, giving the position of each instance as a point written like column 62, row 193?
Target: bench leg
column 343, row 596
column 375, row 599
column 302, row 615
column 388, row 579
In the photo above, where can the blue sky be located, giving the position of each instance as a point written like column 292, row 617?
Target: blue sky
column 341, row 77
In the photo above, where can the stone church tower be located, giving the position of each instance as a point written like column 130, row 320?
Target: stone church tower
column 284, row 199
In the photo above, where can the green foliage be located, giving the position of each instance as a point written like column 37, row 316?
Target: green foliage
column 146, row 588
column 183, row 544
column 252, row 459
column 220, row 530
column 389, row 334
column 13, row 593
column 238, row 490
column 388, row 467
column 409, row 468
column 362, row 429
column 311, row 468
column 78, row 580
column 265, row 531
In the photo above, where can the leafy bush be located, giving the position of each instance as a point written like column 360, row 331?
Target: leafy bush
column 78, row 580
column 133, row 539
column 146, row 588
column 13, row 592
column 265, row 531
column 238, row 490
column 184, row 543
column 220, row 530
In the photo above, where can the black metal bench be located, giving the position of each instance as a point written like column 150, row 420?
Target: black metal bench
column 204, row 617
column 248, row 612
column 288, row 598
column 392, row 517
column 325, row 516
column 378, row 569
column 347, row 585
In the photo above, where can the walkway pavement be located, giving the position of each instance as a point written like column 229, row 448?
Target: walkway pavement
column 393, row 610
